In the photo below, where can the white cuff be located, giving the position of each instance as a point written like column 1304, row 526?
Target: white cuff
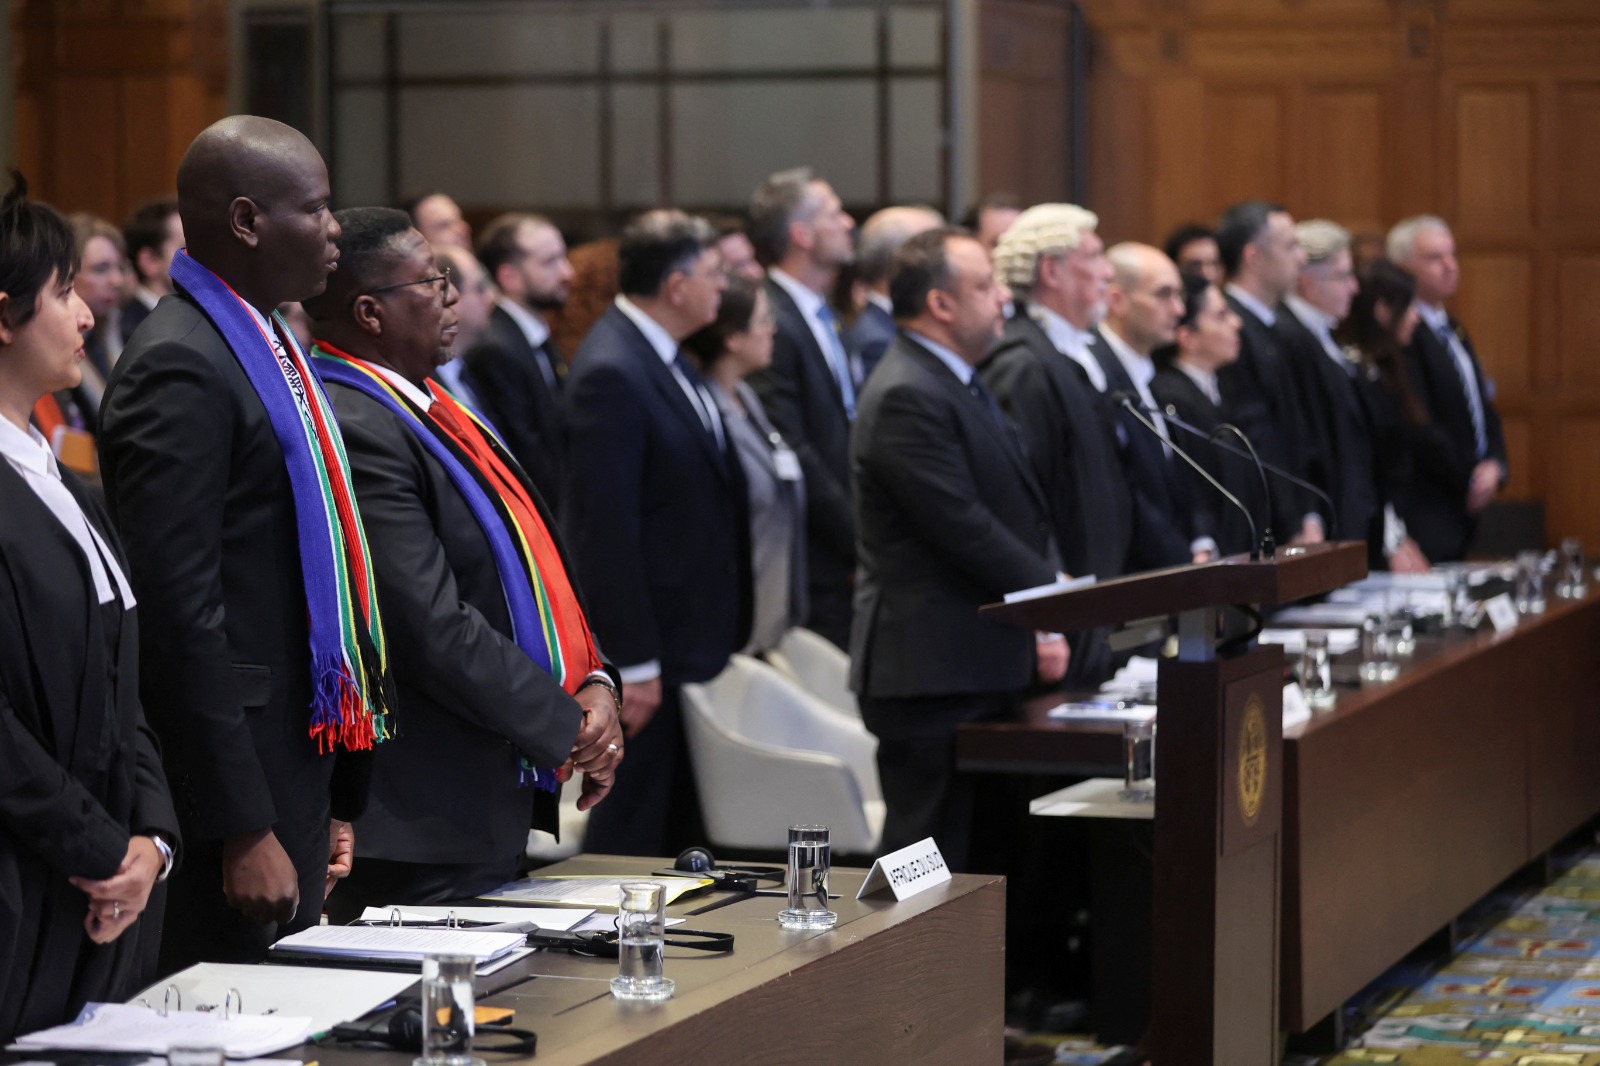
column 640, row 673
column 1202, row 544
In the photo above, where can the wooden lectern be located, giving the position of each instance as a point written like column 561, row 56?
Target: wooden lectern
column 1219, row 792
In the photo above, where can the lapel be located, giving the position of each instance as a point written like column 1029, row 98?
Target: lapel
column 971, row 411
column 793, row 321
column 666, row 385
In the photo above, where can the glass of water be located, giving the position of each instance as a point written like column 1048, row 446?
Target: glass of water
column 1139, row 761
column 447, row 1018
column 810, row 859
column 1316, row 672
column 641, row 943
column 1572, row 584
column 1530, row 583
column 1377, row 650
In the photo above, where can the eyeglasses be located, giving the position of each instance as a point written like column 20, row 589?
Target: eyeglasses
column 442, row 279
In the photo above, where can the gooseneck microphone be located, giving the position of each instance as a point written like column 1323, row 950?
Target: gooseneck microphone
column 1130, row 402
column 1334, row 531
column 1268, row 541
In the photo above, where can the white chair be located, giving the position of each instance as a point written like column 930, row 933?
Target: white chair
column 544, row 847
column 768, row 755
column 818, row 664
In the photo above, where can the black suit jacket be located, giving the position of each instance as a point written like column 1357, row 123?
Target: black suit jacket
column 1341, row 464
column 197, row 486
column 951, row 518
column 868, row 337
column 1215, row 517
column 1436, row 510
column 657, row 516
column 801, row 397
column 1261, row 395
column 444, row 789
column 1164, row 523
column 81, row 768
column 503, row 371
column 134, row 312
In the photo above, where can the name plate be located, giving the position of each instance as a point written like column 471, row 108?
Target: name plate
column 907, row 871
column 1502, row 612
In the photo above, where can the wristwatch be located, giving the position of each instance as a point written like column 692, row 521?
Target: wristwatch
column 604, row 681
column 167, row 856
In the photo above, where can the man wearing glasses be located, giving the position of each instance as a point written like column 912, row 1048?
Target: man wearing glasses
column 500, row 680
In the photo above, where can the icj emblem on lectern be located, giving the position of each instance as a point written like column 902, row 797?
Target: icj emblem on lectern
column 1252, row 761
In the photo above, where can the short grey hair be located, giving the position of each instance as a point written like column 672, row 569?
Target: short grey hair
column 779, row 200
column 1401, row 244
column 1321, row 240
column 884, row 233
column 1039, row 232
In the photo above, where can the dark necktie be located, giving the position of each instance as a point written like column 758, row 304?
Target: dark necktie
column 705, row 406
column 1469, row 387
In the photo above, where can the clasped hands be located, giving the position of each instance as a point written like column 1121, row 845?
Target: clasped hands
column 116, row 902
column 599, row 746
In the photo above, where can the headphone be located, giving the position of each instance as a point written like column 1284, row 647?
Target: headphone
column 701, row 863
column 404, row 1033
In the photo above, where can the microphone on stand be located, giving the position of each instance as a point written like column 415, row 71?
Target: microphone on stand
column 1130, row 402
column 1333, row 515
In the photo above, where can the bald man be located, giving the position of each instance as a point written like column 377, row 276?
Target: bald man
column 213, row 480
column 870, row 335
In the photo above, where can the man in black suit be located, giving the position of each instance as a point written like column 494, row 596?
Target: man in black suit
column 1051, row 260
column 1342, row 463
column 449, row 811
column 802, row 234
column 1444, row 368
column 951, row 518
column 516, row 371
column 869, row 336
column 1262, row 259
column 153, row 235
column 657, row 520
column 198, row 486
column 1143, row 305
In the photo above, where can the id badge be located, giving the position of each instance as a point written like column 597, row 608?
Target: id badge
column 787, row 464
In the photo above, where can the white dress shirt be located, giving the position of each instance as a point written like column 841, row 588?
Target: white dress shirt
column 1141, row 370
column 1204, row 380
column 1070, row 341
column 30, row 456
column 1437, row 319
column 1253, row 305
column 812, row 306
column 1321, row 325
column 956, row 365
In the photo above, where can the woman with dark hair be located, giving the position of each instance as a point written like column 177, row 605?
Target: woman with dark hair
column 1407, row 446
column 86, row 821
column 736, row 344
column 1206, row 340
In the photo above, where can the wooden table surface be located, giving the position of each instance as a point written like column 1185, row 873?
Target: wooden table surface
column 1408, row 801
column 921, row 981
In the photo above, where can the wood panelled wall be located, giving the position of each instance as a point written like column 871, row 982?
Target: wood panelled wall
column 1365, row 111
column 111, row 92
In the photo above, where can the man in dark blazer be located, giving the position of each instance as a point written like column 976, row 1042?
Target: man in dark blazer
column 1262, row 259
column 1342, row 460
column 951, row 518
column 449, row 813
column 1050, row 260
column 803, row 235
column 1444, row 369
column 198, row 487
column 516, row 372
column 657, row 520
column 870, row 335
column 1143, row 305
column 153, row 235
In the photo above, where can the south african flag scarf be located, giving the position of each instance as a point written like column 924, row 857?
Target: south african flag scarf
column 547, row 621
column 352, row 692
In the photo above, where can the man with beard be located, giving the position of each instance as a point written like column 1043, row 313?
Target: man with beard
column 516, row 371
column 225, row 476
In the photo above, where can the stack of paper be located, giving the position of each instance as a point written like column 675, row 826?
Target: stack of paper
column 544, row 917
column 121, row 1028
column 1293, row 641
column 329, row 997
column 578, row 891
column 383, row 943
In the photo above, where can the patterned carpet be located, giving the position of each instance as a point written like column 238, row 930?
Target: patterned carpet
column 1523, row 989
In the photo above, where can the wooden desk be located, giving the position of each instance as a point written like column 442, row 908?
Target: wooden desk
column 921, row 981
column 1406, row 803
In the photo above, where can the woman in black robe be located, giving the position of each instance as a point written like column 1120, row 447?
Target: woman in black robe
column 86, row 821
